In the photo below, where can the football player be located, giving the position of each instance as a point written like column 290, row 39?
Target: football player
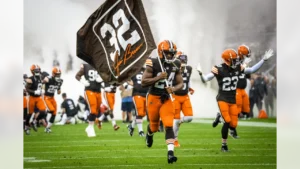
column 34, row 88
column 181, row 98
column 139, row 99
column 109, row 98
column 159, row 74
column 227, row 75
column 25, row 102
column 91, row 80
column 52, row 84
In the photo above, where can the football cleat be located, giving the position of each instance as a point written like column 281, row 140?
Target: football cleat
column 176, row 143
column 224, row 147
column 171, row 157
column 47, row 130
column 116, row 127
column 34, row 126
column 141, row 134
column 233, row 134
column 130, row 129
column 98, row 122
column 149, row 140
column 90, row 131
column 217, row 120
column 27, row 131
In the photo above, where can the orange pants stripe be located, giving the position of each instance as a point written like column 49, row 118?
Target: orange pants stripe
column 51, row 104
column 140, row 105
column 36, row 101
column 242, row 101
column 93, row 100
column 157, row 111
column 25, row 102
column 182, row 103
column 229, row 113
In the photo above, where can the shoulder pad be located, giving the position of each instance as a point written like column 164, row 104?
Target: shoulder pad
column 177, row 63
column 149, row 62
column 218, row 66
column 188, row 67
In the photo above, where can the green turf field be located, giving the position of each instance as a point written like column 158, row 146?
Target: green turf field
column 68, row 147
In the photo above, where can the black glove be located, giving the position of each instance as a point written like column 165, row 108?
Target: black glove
column 164, row 97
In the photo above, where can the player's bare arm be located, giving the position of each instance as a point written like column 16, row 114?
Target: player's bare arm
column 45, row 80
column 148, row 78
column 28, row 85
column 79, row 74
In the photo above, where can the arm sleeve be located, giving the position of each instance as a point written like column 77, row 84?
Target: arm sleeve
column 254, row 68
column 207, row 77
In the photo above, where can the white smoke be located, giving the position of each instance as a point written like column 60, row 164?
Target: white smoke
column 201, row 28
column 51, row 26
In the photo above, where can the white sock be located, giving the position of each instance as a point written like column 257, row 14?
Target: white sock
column 186, row 119
column 176, row 127
column 140, row 126
column 49, row 125
column 113, row 122
column 101, row 117
column 171, row 147
column 91, row 124
column 139, row 123
column 133, row 121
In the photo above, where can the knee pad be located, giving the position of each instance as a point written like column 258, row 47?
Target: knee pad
column 224, row 130
column 24, row 113
column 42, row 115
column 27, row 119
column 169, row 133
column 52, row 119
column 92, row 117
column 111, row 116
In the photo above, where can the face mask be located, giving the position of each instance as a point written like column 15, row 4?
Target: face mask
column 57, row 79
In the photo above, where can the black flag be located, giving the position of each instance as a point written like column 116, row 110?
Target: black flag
column 116, row 40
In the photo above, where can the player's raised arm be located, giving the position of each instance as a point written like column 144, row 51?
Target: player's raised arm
column 80, row 76
column 259, row 64
column 207, row 77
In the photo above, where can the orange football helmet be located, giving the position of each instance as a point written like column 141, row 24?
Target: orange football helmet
column 56, row 73
column 244, row 51
column 35, row 70
column 230, row 57
column 166, row 49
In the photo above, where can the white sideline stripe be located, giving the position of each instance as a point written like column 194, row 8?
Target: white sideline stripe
column 241, row 123
column 33, row 160
column 181, row 156
column 158, row 165
column 126, row 134
column 118, row 145
column 29, row 158
column 92, row 140
column 37, row 161
column 158, row 149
